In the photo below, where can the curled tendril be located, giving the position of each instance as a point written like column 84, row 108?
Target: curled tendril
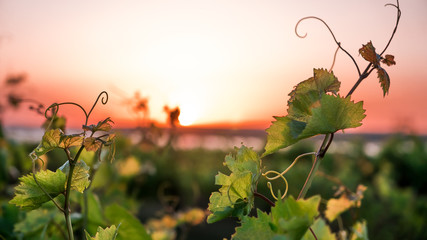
column 55, row 107
column 332, row 34
column 281, row 175
column 399, row 13
column 104, row 101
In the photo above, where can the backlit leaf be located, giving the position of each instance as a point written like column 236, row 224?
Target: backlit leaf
column 235, row 197
column 336, row 206
column 28, row 194
column 306, row 94
column 68, row 141
column 92, row 144
column 384, row 80
column 104, row 125
column 80, row 180
column 360, row 231
column 314, row 108
column 388, row 60
column 331, row 114
column 50, row 140
column 368, row 53
column 279, row 135
column 334, row 113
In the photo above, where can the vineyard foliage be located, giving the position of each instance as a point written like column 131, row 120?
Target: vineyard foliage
column 99, row 185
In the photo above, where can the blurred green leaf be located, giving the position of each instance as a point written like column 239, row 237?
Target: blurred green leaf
column 95, row 215
column 130, row 227
column 360, row 231
column 321, row 229
column 109, row 233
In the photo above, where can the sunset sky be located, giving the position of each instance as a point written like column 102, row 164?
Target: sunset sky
column 219, row 61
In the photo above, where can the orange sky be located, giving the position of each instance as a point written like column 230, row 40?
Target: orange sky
column 220, row 61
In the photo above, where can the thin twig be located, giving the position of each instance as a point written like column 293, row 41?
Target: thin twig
column 312, row 232
column 333, row 36
column 257, row 194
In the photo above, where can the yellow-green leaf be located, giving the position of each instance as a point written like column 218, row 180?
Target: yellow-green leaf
column 108, row 233
column 28, row 195
column 235, row 197
column 80, row 180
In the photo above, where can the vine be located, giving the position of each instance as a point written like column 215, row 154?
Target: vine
column 315, row 107
column 46, row 186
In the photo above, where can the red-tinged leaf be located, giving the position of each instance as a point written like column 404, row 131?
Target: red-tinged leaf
column 384, row 80
column 368, row 53
column 91, row 144
column 71, row 140
column 104, row 125
column 388, row 60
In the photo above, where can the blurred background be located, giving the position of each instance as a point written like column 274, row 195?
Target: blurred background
column 188, row 81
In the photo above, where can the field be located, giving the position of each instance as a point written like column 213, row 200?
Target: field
column 165, row 182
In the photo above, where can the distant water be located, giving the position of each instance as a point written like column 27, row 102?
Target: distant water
column 211, row 139
column 220, row 139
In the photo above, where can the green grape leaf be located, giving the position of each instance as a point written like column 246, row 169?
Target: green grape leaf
column 104, row 126
column 336, row 206
column 292, row 218
column 334, row 113
column 92, row 144
column 315, row 107
column 306, row 94
column 384, row 80
column 28, row 194
column 235, row 197
column 35, row 221
column 130, row 227
column 289, row 219
column 95, row 215
column 360, row 231
column 279, row 135
column 368, row 53
column 55, row 138
column 321, row 229
column 255, row 227
column 50, row 141
column 388, row 60
column 80, row 180
column 108, row 233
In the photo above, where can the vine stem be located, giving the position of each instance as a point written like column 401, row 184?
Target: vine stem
column 319, row 156
column 67, row 211
column 257, row 194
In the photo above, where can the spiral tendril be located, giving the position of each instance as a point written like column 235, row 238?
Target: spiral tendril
column 281, row 175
